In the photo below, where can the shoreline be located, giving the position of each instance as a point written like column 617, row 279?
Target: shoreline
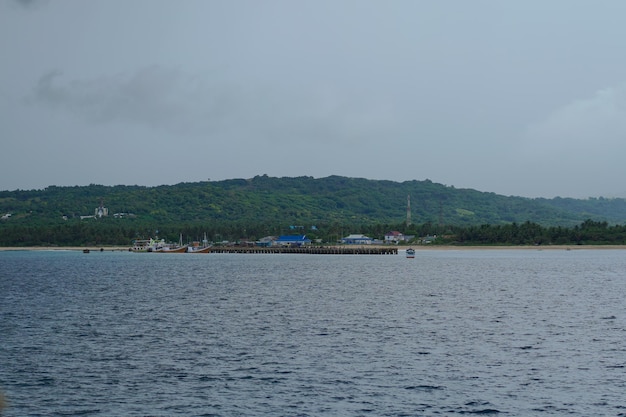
column 400, row 248
column 66, row 248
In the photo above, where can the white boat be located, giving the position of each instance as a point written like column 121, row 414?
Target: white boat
column 153, row 245
column 147, row 245
column 173, row 249
column 410, row 253
column 196, row 247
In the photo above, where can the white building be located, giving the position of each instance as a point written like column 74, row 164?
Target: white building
column 101, row 211
column 357, row 240
column 394, row 237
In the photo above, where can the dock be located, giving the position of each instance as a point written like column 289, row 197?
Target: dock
column 321, row 250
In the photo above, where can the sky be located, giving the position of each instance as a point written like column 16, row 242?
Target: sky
column 518, row 97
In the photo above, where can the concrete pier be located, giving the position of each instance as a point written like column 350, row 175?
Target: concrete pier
column 325, row 250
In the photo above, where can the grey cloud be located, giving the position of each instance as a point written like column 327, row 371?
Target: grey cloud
column 591, row 124
column 30, row 4
column 577, row 149
column 152, row 96
column 192, row 104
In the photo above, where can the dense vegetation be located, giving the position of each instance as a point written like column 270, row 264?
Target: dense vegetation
column 325, row 208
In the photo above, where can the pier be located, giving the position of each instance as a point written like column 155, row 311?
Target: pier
column 327, row 250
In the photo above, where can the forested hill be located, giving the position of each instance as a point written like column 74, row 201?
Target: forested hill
column 301, row 200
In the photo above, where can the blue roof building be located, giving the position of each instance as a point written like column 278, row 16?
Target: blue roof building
column 292, row 240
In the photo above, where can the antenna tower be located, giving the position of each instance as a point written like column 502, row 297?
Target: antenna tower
column 408, row 210
column 440, row 213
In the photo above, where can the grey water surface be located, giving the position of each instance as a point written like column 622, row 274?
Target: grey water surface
column 487, row 332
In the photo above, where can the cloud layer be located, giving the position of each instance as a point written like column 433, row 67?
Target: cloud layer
column 162, row 98
column 491, row 96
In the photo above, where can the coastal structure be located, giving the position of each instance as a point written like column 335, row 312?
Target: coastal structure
column 394, row 237
column 292, row 241
column 101, row 211
column 321, row 250
column 357, row 240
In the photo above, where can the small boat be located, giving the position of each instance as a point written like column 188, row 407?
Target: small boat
column 410, row 253
column 85, row 250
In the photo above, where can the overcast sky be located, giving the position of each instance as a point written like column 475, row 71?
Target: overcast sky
column 519, row 97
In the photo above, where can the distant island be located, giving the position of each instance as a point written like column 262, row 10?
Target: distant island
column 326, row 209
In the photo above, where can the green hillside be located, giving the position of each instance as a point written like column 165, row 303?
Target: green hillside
column 268, row 205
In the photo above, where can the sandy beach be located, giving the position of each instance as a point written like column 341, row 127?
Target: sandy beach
column 65, row 248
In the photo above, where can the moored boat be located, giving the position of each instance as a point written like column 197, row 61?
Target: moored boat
column 153, row 245
column 195, row 246
column 410, row 253
column 147, row 245
column 172, row 249
column 198, row 249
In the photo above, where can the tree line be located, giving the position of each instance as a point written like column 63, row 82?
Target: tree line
column 109, row 232
column 588, row 233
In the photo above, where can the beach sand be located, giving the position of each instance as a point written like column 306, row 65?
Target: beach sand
column 66, row 248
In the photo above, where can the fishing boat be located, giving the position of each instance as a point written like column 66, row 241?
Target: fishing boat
column 147, row 245
column 154, row 245
column 196, row 247
column 410, row 253
column 172, row 249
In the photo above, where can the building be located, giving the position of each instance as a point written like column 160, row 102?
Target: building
column 394, row 237
column 292, row 240
column 101, row 211
column 356, row 240
column 266, row 241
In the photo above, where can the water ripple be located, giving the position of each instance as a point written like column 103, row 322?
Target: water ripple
column 450, row 332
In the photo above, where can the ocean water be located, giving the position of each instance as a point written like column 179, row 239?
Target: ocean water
column 487, row 332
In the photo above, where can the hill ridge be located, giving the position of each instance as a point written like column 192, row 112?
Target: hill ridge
column 304, row 199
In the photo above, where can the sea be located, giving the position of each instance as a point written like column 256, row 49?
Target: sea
column 516, row 332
